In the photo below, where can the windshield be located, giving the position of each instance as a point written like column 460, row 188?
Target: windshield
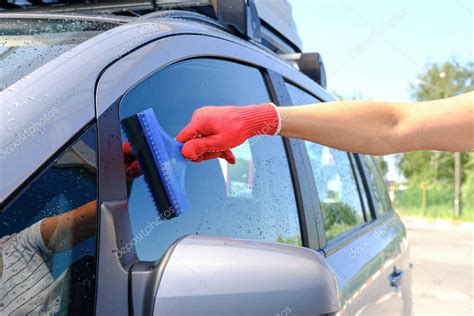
column 27, row 44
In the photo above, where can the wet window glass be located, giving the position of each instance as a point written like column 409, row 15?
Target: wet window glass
column 47, row 238
column 27, row 44
column 252, row 199
column 338, row 193
column 298, row 96
column 337, row 190
column 380, row 196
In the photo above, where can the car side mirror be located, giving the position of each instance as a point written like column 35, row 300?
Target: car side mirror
column 202, row 275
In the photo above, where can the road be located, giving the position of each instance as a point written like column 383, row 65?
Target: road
column 443, row 266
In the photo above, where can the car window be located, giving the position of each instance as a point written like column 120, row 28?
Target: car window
column 335, row 181
column 252, row 199
column 337, row 189
column 380, row 196
column 47, row 244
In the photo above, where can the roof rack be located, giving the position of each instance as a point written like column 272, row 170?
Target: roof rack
column 262, row 21
column 311, row 64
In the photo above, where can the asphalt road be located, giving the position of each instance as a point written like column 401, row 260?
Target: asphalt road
column 443, row 267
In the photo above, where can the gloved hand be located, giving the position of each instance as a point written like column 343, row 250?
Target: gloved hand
column 132, row 168
column 214, row 130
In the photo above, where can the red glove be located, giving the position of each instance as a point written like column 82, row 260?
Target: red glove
column 132, row 168
column 214, row 130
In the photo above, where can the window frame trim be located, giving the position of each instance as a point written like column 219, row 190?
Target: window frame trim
column 307, row 207
column 369, row 181
column 360, row 187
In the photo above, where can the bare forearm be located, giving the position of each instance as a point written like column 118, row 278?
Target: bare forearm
column 67, row 230
column 377, row 128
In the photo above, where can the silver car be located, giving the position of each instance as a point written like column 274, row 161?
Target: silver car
column 293, row 228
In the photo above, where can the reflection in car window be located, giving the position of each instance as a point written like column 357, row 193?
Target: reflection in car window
column 335, row 181
column 27, row 44
column 381, row 199
column 47, row 238
column 337, row 190
column 252, row 199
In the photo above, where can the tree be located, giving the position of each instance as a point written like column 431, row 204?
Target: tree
column 440, row 81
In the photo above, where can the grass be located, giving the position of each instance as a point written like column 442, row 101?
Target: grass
column 437, row 212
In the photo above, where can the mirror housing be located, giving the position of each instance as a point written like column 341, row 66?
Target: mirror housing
column 203, row 275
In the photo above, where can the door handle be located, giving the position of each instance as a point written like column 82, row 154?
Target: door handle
column 395, row 278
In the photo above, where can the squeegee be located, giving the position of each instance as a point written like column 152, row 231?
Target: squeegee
column 161, row 162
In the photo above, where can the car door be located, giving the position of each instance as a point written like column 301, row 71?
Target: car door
column 364, row 240
column 257, row 198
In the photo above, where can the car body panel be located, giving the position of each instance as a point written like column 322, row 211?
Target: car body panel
column 298, row 279
column 363, row 265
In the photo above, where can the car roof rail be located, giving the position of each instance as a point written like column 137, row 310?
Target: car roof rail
column 311, row 64
column 181, row 14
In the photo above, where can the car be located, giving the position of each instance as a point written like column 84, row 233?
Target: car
column 293, row 228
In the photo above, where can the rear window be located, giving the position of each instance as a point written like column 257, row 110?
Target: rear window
column 27, row 44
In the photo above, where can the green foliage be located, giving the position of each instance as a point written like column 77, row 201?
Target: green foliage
column 338, row 217
column 382, row 164
column 437, row 194
column 437, row 168
column 295, row 240
column 443, row 80
column 444, row 212
column 432, row 166
column 468, row 186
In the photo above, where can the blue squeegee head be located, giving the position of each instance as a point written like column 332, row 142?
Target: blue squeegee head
column 168, row 163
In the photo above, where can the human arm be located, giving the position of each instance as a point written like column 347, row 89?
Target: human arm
column 379, row 128
column 66, row 230
column 369, row 127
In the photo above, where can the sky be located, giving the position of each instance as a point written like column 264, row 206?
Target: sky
column 374, row 49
